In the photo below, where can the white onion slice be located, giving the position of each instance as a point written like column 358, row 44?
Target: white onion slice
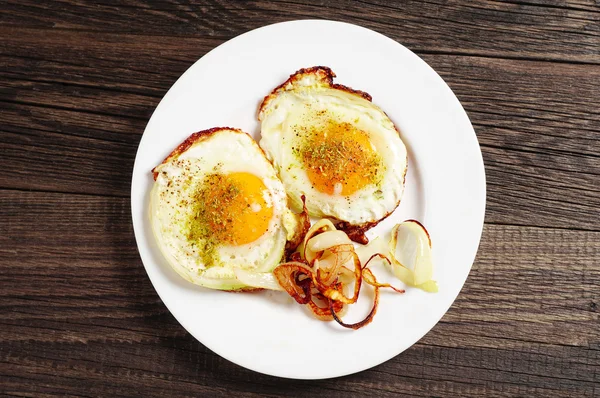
column 327, row 261
column 320, row 226
column 328, row 239
column 410, row 249
column 264, row 280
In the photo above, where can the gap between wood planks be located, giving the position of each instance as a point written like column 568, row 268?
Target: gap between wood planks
column 546, row 5
column 505, row 57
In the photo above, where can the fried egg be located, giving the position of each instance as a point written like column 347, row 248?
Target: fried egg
column 333, row 145
column 217, row 205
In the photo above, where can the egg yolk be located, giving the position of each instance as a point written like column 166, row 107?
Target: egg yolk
column 231, row 209
column 339, row 158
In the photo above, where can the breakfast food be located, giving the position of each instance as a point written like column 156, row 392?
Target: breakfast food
column 333, row 145
column 326, row 273
column 217, row 206
column 410, row 251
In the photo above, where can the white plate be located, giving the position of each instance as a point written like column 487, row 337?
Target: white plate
column 268, row 332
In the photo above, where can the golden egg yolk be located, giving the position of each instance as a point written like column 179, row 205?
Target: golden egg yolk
column 231, row 209
column 339, row 158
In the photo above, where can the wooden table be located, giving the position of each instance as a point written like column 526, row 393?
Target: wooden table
column 79, row 83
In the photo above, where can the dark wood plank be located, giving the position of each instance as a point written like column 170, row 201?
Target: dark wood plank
column 85, row 99
column 129, row 63
column 565, row 31
column 497, row 93
column 528, row 188
column 544, row 104
column 78, row 82
column 42, row 160
column 588, row 5
column 184, row 367
column 19, row 118
column 539, row 134
column 89, row 322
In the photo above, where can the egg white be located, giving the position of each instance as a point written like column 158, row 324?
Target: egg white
column 224, row 151
column 297, row 102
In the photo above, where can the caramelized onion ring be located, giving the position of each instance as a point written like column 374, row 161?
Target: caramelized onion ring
column 321, row 271
column 327, row 268
column 288, row 276
column 383, row 256
column 329, row 262
column 362, row 323
column 369, row 277
column 326, row 313
column 336, row 295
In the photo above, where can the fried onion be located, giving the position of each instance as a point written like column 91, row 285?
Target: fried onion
column 335, row 294
column 326, row 274
column 369, row 277
column 326, row 313
column 320, row 226
column 362, row 323
column 289, row 276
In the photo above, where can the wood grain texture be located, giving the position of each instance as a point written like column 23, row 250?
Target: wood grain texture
column 524, row 324
column 78, row 83
column 539, row 133
column 521, row 29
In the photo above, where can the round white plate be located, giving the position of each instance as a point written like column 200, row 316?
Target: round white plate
column 445, row 190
